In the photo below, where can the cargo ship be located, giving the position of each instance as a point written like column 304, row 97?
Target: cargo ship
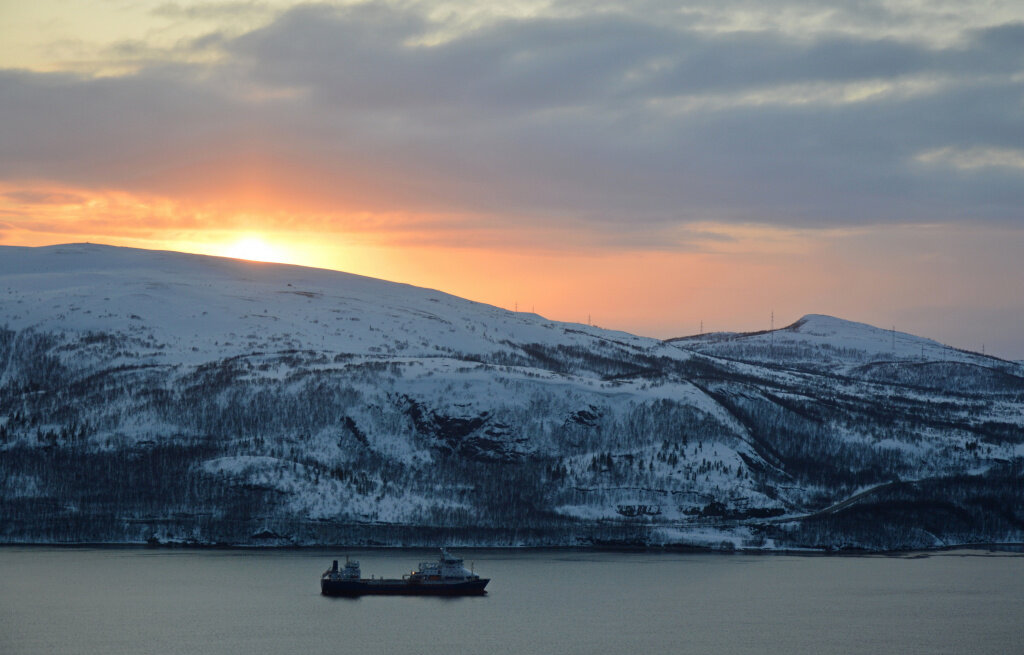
column 445, row 577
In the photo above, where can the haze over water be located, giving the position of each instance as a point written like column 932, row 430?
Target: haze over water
column 182, row 601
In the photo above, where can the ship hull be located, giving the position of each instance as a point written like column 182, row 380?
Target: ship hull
column 385, row 587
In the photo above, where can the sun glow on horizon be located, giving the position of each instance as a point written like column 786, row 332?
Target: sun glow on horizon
column 255, row 249
column 722, row 276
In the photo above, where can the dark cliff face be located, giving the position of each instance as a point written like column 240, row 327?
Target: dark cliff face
column 126, row 432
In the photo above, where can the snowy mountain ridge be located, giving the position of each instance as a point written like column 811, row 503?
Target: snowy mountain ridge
column 169, row 296
column 834, row 344
column 165, row 397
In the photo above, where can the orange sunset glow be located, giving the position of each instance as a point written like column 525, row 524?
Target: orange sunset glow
column 661, row 292
column 254, row 248
column 473, row 151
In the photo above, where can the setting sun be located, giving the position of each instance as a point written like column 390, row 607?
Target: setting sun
column 257, row 250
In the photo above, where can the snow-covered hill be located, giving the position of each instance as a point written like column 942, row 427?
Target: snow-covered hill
column 162, row 396
column 199, row 307
column 828, row 344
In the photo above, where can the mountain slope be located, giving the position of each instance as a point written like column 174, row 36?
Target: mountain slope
column 828, row 344
column 216, row 307
column 169, row 397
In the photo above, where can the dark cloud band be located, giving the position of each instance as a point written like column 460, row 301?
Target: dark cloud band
column 624, row 124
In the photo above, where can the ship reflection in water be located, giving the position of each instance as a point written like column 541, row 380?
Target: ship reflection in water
column 445, row 577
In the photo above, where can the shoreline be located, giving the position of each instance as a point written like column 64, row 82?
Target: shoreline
column 991, row 547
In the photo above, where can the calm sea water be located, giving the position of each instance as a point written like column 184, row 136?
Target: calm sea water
column 181, row 601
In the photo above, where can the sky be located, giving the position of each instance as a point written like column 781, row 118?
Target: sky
column 650, row 166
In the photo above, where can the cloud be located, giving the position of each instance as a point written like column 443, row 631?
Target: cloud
column 607, row 121
column 33, row 197
column 209, row 10
column 975, row 158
